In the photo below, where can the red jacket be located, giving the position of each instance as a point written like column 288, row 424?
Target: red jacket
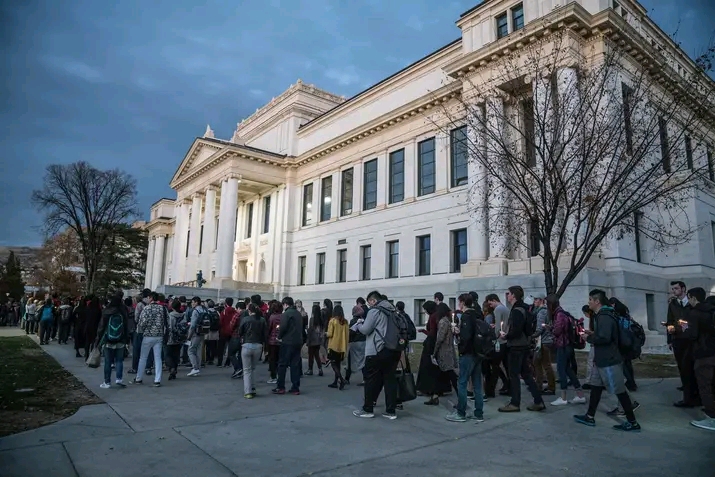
column 226, row 316
column 562, row 325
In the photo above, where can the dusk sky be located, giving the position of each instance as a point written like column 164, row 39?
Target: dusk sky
column 130, row 84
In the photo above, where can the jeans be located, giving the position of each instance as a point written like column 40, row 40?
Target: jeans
column 495, row 371
column 172, row 352
column 380, row 370
column 250, row 355
column 195, row 349
column 566, row 373
column 234, row 354
column 45, row 331
column 63, row 332
column 273, row 351
column 289, row 356
column 221, row 349
column 211, row 346
column 628, row 373
column 470, row 367
column 314, row 355
column 149, row 344
column 704, row 373
column 519, row 364
column 137, row 352
column 113, row 356
column 542, row 368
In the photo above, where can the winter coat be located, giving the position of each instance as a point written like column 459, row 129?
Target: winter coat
column 444, row 346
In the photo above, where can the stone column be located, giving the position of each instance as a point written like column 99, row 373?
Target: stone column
column 227, row 225
column 195, row 237
column 569, row 100
column 180, row 267
column 441, row 162
column 383, row 179
column 410, row 168
column 176, row 244
column 149, row 263
column 209, row 232
column 158, row 261
column 497, row 195
column 478, row 230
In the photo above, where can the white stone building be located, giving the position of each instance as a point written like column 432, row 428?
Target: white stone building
column 316, row 196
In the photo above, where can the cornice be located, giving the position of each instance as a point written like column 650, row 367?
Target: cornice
column 382, row 123
column 287, row 111
column 294, row 88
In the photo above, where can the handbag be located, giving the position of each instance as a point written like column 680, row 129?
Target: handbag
column 94, row 358
column 406, row 389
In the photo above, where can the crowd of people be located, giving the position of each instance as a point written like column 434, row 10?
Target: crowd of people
column 467, row 350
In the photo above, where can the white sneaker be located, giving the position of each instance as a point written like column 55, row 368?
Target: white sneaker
column 105, row 386
column 272, row 381
column 559, row 402
column 707, row 423
column 194, row 372
column 578, row 400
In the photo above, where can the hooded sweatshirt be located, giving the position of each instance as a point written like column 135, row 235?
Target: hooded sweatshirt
column 104, row 321
column 375, row 326
column 605, row 338
column 175, row 317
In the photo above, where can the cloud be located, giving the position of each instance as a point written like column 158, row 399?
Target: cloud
column 346, row 76
column 415, row 23
column 75, row 68
column 256, row 92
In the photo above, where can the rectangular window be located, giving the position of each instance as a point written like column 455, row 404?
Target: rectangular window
column 365, row 262
column 711, row 166
column 201, row 239
column 342, row 266
column 188, row 239
column 637, row 219
column 534, row 239
column 369, row 200
column 346, row 193
column 458, row 156
column 420, row 314
column 689, row 152
column 301, row 270
column 424, row 255
column 459, row 249
column 326, row 198
column 249, row 221
column 266, row 214
column 517, row 17
column 502, row 26
column 627, row 94
column 650, row 312
column 307, row 204
column 320, row 259
column 397, row 176
column 529, row 132
column 425, row 167
column 664, row 147
column 393, row 259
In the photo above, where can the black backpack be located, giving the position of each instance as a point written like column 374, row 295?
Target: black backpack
column 411, row 328
column 214, row 321
column 630, row 344
column 484, row 338
column 66, row 315
column 529, row 322
column 397, row 335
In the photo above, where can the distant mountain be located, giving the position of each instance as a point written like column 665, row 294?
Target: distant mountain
column 28, row 255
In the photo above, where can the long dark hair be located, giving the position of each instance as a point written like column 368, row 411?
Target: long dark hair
column 328, row 307
column 443, row 310
column 339, row 314
column 315, row 316
column 620, row 308
column 429, row 306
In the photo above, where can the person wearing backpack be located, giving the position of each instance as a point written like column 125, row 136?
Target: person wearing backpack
column 471, row 350
column 564, row 343
column 626, row 321
column 290, row 336
column 382, row 354
column 519, row 328
column 607, row 372
column 112, row 334
column 65, row 321
column 47, row 318
column 545, row 345
column 198, row 315
column 178, row 332
column 153, row 327
column 701, row 330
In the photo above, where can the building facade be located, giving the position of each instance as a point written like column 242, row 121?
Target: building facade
column 317, row 196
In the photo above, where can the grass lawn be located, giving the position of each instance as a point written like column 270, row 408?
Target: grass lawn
column 34, row 389
column 648, row 366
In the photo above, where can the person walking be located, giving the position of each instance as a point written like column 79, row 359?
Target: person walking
column 253, row 333
column 112, row 336
column 337, row 344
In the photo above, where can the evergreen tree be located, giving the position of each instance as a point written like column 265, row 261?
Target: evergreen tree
column 11, row 278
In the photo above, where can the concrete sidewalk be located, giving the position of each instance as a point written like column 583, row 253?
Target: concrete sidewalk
column 203, row 426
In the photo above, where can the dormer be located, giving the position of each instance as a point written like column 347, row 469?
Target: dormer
column 273, row 127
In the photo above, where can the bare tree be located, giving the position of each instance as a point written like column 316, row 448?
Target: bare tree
column 91, row 203
column 571, row 144
column 58, row 265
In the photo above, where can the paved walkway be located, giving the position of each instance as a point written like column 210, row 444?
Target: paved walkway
column 203, row 427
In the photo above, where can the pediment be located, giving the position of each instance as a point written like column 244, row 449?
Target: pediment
column 199, row 153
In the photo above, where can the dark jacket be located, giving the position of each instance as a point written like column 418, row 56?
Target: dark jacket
column 253, row 329
column 104, row 321
column 605, row 338
column 291, row 330
column 467, row 330
column 356, row 336
column 515, row 337
column 676, row 312
column 701, row 323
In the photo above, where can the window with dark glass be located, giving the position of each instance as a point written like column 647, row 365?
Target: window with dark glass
column 342, row 266
column 301, row 270
column 424, row 255
column 320, row 259
column 664, row 144
column 527, row 107
column 502, row 26
column 458, row 156
column 689, row 152
column 366, row 262
column 369, row 200
column 307, row 204
column 393, row 259
column 517, row 17
column 459, row 249
column 249, row 221
column 266, row 214
column 627, row 94
column 326, row 198
column 425, row 167
column 346, row 193
column 397, row 176
column 420, row 313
